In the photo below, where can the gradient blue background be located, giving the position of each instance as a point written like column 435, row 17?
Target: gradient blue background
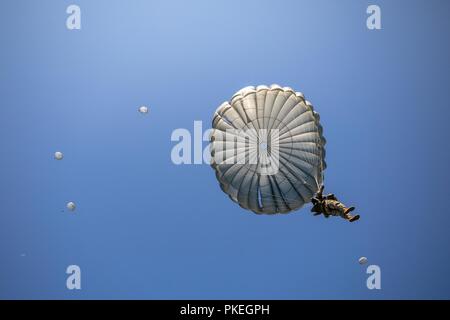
column 146, row 228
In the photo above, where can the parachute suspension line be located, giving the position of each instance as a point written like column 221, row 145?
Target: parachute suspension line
column 320, row 176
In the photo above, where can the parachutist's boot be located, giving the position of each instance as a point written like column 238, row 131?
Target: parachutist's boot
column 348, row 210
column 354, row 218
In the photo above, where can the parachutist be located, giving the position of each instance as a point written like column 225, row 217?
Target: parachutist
column 329, row 205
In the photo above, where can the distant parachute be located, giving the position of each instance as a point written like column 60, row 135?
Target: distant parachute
column 143, row 109
column 71, row 206
column 267, row 149
column 58, row 155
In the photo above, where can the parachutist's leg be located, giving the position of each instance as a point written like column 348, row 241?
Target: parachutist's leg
column 347, row 216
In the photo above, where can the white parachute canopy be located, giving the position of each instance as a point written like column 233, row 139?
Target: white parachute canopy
column 71, row 206
column 58, row 155
column 267, row 149
column 143, row 109
column 362, row 260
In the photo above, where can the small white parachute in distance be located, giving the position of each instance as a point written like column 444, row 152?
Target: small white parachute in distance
column 58, row 155
column 143, row 109
column 71, row 206
column 267, row 149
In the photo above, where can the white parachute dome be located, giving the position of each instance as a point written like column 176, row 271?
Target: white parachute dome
column 267, row 149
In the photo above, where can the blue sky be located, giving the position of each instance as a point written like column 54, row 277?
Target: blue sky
column 145, row 228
